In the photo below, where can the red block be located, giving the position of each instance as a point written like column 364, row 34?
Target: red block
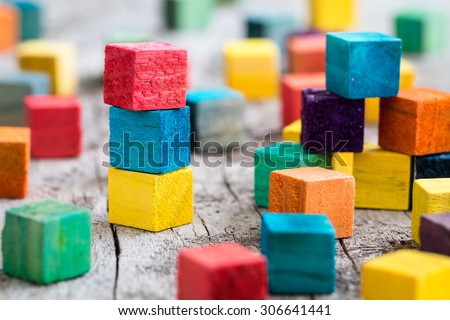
column 307, row 53
column 225, row 271
column 145, row 76
column 55, row 123
column 292, row 86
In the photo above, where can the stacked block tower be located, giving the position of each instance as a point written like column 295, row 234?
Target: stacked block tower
column 150, row 183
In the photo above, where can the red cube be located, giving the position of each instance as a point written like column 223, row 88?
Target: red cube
column 226, row 271
column 306, row 53
column 145, row 76
column 55, row 123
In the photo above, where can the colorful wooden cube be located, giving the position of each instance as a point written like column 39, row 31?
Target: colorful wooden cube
column 306, row 54
column 149, row 141
column 283, row 155
column 127, row 36
column 292, row 86
column 145, row 76
column 9, row 25
column 14, row 161
column 252, row 66
column 55, row 123
column 430, row 196
column 415, row 122
column 406, row 275
column 383, row 179
column 331, row 123
column 315, row 190
column 333, row 15
column 226, row 271
column 435, row 233
column 343, row 162
column 152, row 202
column 188, row 14
column 31, row 18
column 292, row 131
column 432, row 166
column 300, row 250
column 56, row 58
column 46, row 242
column 363, row 64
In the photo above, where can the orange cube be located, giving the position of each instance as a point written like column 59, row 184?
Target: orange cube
column 315, row 190
column 9, row 26
column 306, row 54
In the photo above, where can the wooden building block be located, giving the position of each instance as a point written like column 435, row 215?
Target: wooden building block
column 283, row 155
column 47, row 241
column 127, row 36
column 415, row 122
column 406, row 275
column 292, row 86
column 331, row 123
column 432, row 166
column 372, row 110
column 9, row 26
column 430, row 196
column 306, row 54
column 14, row 161
column 188, row 14
column 55, row 123
column 149, row 141
column 292, row 131
column 31, row 18
column 56, row 58
column 226, row 271
column 152, row 202
column 300, row 250
column 315, row 190
column 252, row 66
column 343, row 162
column 333, row 15
column 383, row 179
column 363, row 64
column 145, row 76
column 435, row 233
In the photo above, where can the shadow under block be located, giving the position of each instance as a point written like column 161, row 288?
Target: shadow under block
column 252, row 66
column 430, row 196
column 149, row 141
column 315, row 190
column 331, row 123
column 306, row 54
column 435, row 233
column 333, row 15
column 363, row 64
column 292, row 86
column 226, row 271
column 416, row 122
column 406, row 275
column 14, row 162
column 145, row 76
column 31, row 18
column 283, row 155
column 9, row 26
column 152, row 202
column 56, row 58
column 272, row 25
column 46, row 242
column 432, row 166
column 188, row 14
column 55, row 123
column 300, row 250
column 292, row 131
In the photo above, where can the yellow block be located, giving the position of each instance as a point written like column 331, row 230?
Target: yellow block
column 252, row 66
column 429, row 196
column 55, row 58
column 382, row 179
column 333, row 15
column 151, row 202
column 342, row 162
column 406, row 275
column 292, row 132
column 372, row 111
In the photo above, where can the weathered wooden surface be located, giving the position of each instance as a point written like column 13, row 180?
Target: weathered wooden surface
column 134, row 264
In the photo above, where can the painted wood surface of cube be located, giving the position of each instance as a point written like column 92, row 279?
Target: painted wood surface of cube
column 226, row 271
column 306, row 54
column 272, row 25
column 343, row 162
column 47, row 241
column 30, row 16
column 292, row 131
column 333, row 15
column 10, row 26
column 188, row 14
column 435, row 233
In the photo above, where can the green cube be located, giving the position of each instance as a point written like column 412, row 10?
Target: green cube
column 188, row 14
column 283, row 155
column 128, row 36
column 46, row 242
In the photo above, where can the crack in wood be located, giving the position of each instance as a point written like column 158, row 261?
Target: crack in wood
column 344, row 247
column 179, row 236
column 228, row 185
column 257, row 210
column 204, row 226
column 407, row 215
column 117, row 251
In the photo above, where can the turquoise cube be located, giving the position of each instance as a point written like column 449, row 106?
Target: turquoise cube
column 46, row 242
column 363, row 65
column 301, row 252
column 279, row 156
column 31, row 18
column 274, row 25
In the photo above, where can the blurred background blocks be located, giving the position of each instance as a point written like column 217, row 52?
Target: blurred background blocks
column 333, row 15
column 9, row 26
column 306, row 54
column 30, row 17
column 292, row 131
column 188, row 14
column 435, row 233
column 127, row 36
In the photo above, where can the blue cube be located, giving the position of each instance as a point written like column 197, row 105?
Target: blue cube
column 149, row 141
column 301, row 251
column 31, row 18
column 363, row 65
column 273, row 25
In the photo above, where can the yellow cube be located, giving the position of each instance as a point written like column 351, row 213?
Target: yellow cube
column 383, row 179
column 406, row 275
column 342, row 162
column 252, row 66
column 151, row 202
column 333, row 15
column 55, row 58
column 292, row 132
column 372, row 111
column 429, row 196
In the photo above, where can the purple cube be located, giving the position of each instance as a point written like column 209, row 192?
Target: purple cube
column 435, row 233
column 331, row 123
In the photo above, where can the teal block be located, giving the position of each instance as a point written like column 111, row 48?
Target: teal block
column 31, row 18
column 363, row 65
column 300, row 251
column 188, row 14
column 46, row 242
column 283, row 155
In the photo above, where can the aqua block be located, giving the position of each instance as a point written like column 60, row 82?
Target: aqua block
column 301, row 251
column 46, row 242
column 273, row 25
column 149, row 141
column 363, row 65
column 188, row 14
column 128, row 36
column 31, row 18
